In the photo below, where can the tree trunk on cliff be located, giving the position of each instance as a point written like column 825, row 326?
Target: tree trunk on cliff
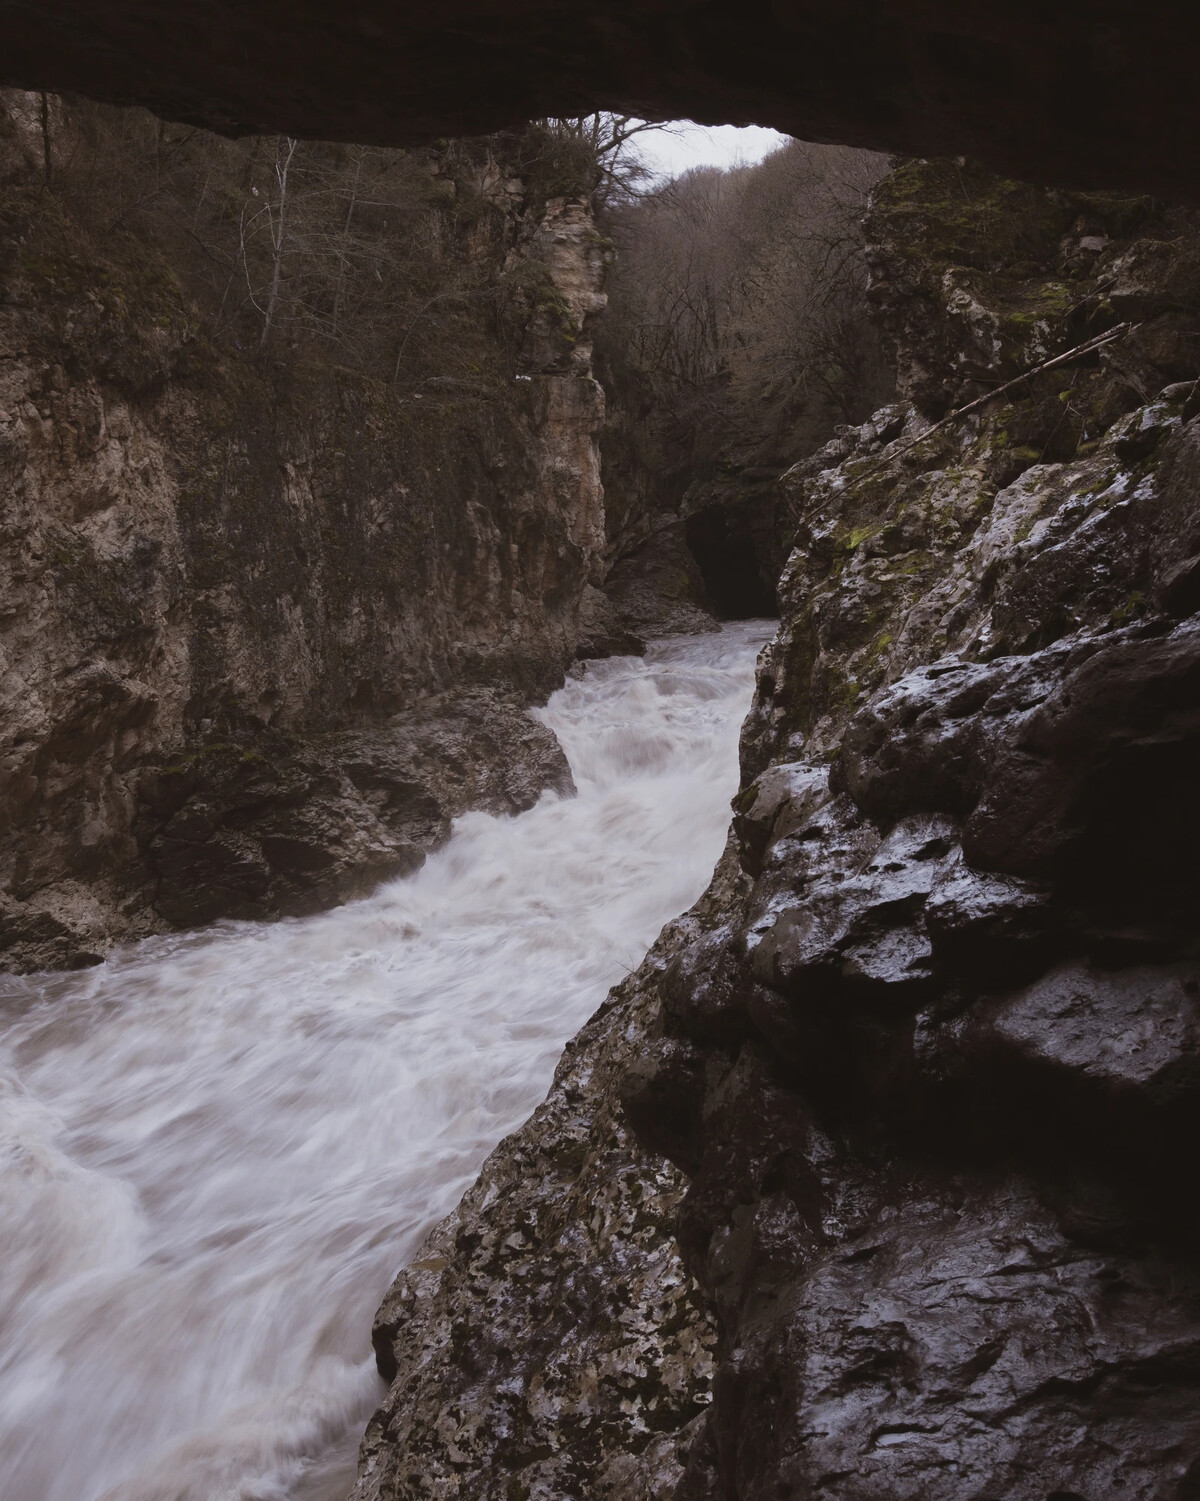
column 45, row 122
column 345, row 250
column 278, row 238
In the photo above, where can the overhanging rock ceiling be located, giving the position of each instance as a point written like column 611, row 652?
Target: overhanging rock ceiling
column 1083, row 92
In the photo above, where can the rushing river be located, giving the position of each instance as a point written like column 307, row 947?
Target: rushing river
column 217, row 1149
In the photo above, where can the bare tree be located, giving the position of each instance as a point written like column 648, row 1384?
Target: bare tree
column 336, row 246
column 44, row 121
column 593, row 156
column 738, row 304
column 275, row 214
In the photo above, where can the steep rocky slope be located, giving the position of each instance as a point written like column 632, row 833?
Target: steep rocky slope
column 929, row 1094
column 546, row 1341
column 925, row 1056
column 206, row 560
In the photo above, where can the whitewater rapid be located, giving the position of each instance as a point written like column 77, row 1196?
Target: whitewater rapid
column 217, row 1149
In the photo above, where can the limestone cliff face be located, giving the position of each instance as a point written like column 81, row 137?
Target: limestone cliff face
column 925, row 1056
column 203, row 561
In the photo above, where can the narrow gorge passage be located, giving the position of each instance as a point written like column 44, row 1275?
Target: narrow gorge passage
column 216, row 1149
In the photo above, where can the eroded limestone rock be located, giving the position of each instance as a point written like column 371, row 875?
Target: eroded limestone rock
column 207, row 572
column 546, row 1340
column 282, row 829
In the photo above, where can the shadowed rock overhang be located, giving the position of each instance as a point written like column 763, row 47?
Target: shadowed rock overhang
column 1088, row 93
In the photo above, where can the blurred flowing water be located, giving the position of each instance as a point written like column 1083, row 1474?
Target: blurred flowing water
column 217, row 1149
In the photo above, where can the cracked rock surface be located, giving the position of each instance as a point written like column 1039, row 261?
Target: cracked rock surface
column 925, row 1056
column 935, row 1122
column 546, row 1341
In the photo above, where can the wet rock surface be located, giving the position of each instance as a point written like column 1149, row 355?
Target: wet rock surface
column 282, row 826
column 284, row 829
column 926, row 1054
column 933, row 1144
column 546, row 1340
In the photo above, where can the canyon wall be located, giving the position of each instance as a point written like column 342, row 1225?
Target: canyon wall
column 915, row 1083
column 213, row 565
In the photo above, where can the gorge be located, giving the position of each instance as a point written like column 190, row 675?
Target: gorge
column 230, row 1139
column 870, row 1180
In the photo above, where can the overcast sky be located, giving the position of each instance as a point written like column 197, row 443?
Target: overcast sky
column 687, row 145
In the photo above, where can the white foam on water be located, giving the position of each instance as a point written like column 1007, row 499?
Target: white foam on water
column 217, row 1149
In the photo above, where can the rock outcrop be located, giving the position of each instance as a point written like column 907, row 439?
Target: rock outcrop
column 1094, row 95
column 929, row 1112
column 546, row 1340
column 209, row 566
column 285, row 828
column 281, row 826
column 926, row 1055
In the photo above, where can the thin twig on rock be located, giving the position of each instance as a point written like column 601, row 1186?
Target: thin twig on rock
column 1089, row 346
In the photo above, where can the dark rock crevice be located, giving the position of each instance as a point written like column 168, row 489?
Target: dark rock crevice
column 731, row 566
